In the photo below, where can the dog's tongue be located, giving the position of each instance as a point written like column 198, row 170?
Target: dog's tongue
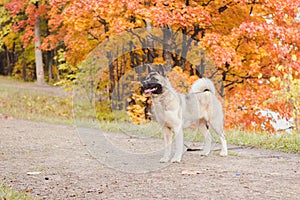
column 150, row 90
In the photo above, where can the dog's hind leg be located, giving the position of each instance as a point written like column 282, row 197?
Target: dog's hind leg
column 217, row 125
column 207, row 144
column 179, row 144
column 168, row 144
column 224, row 151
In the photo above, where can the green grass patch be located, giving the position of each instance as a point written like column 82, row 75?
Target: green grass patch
column 150, row 129
column 279, row 142
column 35, row 105
column 10, row 194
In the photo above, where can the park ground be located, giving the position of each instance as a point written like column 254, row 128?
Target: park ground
column 50, row 162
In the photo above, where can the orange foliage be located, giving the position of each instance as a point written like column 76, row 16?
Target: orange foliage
column 247, row 40
column 181, row 80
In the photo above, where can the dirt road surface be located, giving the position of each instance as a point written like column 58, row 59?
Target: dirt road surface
column 51, row 162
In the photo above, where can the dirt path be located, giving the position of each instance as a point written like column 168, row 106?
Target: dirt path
column 49, row 161
column 11, row 83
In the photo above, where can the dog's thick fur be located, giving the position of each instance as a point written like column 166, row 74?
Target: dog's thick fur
column 175, row 111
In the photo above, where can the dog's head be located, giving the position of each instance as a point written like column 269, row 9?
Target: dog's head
column 155, row 81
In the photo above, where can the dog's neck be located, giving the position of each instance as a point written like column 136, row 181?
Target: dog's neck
column 159, row 98
column 167, row 89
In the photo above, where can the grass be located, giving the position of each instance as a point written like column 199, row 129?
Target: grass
column 39, row 105
column 278, row 142
column 35, row 105
column 10, row 194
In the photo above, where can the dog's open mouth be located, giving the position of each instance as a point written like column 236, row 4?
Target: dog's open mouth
column 150, row 90
column 153, row 88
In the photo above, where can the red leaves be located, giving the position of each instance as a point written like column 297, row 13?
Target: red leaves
column 15, row 6
column 178, row 14
column 29, row 13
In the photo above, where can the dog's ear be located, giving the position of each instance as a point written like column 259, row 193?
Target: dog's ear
column 150, row 69
column 161, row 70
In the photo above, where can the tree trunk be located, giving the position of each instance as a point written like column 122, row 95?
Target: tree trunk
column 167, row 46
column 38, row 54
column 111, row 73
column 8, row 63
column 24, row 71
column 201, row 67
column 186, row 43
column 50, row 63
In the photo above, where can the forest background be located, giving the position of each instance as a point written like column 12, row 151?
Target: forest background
column 252, row 45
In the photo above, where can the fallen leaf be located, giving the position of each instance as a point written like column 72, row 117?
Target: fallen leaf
column 33, row 173
column 191, row 172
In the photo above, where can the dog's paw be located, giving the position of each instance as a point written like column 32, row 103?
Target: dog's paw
column 164, row 160
column 204, row 153
column 176, row 159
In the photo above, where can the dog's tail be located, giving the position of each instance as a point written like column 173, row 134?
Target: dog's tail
column 203, row 85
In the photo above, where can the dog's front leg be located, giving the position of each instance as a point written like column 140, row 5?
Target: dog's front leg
column 179, row 144
column 168, row 144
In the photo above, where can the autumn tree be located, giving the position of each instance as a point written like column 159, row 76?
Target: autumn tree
column 39, row 22
column 7, row 46
column 254, row 44
column 33, row 28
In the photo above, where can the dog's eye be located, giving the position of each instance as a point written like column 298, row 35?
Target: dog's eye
column 154, row 79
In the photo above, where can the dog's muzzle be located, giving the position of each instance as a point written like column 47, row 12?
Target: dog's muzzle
column 151, row 88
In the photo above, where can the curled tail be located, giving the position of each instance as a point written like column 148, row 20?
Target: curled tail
column 202, row 85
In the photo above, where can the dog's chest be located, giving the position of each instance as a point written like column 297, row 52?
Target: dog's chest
column 167, row 107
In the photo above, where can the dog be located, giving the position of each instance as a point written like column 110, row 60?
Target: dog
column 174, row 111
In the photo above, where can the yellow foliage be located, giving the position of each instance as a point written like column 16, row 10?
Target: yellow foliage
column 136, row 109
column 159, row 60
column 181, row 80
column 273, row 79
column 259, row 75
column 193, row 78
column 177, row 69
